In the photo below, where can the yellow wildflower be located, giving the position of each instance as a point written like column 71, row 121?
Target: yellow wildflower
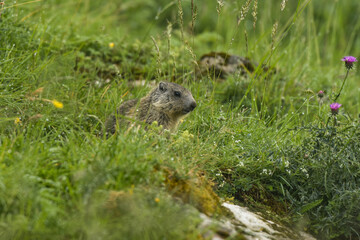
column 157, row 200
column 57, row 104
column 17, row 120
column 131, row 190
column 111, row 45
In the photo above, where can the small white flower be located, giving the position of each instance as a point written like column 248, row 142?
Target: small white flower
column 266, row 172
column 287, row 164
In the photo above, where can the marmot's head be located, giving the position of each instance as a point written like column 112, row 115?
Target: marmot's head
column 172, row 99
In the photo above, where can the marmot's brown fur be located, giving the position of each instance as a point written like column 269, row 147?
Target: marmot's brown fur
column 167, row 104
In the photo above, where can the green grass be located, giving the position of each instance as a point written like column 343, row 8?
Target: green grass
column 263, row 139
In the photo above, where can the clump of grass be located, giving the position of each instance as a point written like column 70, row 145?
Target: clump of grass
column 317, row 177
column 327, row 158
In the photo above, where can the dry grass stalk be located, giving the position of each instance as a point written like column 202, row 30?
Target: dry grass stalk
column 193, row 56
column 168, row 36
column 181, row 19
column 244, row 11
column 246, row 42
column 219, row 6
column 273, row 33
column 283, row 4
column 254, row 12
column 273, row 36
column 193, row 16
column 158, row 56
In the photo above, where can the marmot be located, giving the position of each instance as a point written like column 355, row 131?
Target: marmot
column 167, row 104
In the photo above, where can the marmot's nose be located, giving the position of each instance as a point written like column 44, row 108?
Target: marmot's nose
column 192, row 106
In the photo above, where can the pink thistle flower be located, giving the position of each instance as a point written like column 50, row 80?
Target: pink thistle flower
column 349, row 61
column 335, row 108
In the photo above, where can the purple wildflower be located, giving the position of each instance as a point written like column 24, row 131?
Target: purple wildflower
column 349, row 61
column 321, row 94
column 335, row 108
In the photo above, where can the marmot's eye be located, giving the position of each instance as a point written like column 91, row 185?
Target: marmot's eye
column 177, row 93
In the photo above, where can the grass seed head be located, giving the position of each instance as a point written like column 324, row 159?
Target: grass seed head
column 283, row 4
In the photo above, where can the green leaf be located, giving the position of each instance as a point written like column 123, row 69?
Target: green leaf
column 310, row 206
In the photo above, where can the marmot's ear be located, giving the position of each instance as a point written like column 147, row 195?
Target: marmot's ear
column 162, row 86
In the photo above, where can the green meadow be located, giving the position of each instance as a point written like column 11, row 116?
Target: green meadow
column 262, row 139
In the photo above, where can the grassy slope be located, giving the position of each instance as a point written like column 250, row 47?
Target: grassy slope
column 56, row 174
